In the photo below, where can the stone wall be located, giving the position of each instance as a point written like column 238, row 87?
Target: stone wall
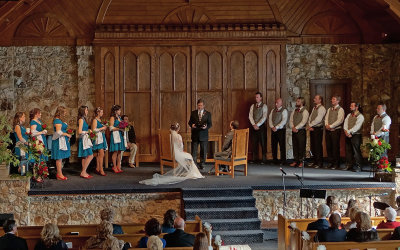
column 82, row 209
column 270, row 203
column 46, row 77
column 373, row 69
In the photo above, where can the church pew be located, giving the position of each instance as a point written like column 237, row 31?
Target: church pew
column 78, row 241
column 191, row 226
column 301, row 224
column 349, row 245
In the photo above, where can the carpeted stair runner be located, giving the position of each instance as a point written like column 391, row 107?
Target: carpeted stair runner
column 230, row 211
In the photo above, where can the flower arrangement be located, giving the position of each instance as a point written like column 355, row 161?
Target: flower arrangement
column 92, row 136
column 106, row 123
column 376, row 148
column 36, row 151
column 44, row 125
column 70, row 131
column 6, row 155
column 124, row 125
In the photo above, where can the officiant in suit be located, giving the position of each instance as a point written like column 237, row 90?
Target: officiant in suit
column 200, row 123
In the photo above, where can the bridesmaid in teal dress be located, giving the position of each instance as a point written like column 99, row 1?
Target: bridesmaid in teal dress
column 85, row 144
column 60, row 147
column 37, row 129
column 117, row 145
column 21, row 138
column 100, row 145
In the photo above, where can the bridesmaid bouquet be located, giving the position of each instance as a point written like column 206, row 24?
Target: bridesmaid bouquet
column 92, row 136
column 70, row 131
column 106, row 123
column 124, row 125
column 44, row 125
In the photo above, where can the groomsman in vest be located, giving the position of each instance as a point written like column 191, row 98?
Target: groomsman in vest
column 297, row 122
column 316, row 128
column 200, row 123
column 333, row 124
column 258, row 116
column 381, row 124
column 277, row 122
column 352, row 129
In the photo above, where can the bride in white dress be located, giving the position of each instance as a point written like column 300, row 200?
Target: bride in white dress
column 186, row 168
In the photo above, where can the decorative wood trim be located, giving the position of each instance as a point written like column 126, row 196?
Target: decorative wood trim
column 102, row 11
column 188, row 15
column 261, row 31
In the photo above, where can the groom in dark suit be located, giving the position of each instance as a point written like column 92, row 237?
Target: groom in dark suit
column 200, row 123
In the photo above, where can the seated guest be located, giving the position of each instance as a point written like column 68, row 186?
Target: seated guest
column 352, row 223
column 201, row 242
column 152, row 227
column 390, row 216
column 333, row 204
column 154, row 243
column 179, row 238
column 333, row 233
column 104, row 237
column 321, row 223
column 9, row 241
column 396, row 234
column 398, row 205
column 364, row 230
column 168, row 225
column 130, row 138
column 108, row 215
column 50, row 239
column 350, row 204
column 227, row 146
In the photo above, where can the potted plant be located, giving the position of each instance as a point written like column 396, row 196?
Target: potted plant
column 6, row 155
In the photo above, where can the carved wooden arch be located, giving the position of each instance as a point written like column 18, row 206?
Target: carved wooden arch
column 331, row 23
column 43, row 25
column 102, row 11
column 188, row 15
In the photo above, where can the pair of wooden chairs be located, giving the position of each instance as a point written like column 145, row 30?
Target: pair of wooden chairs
column 240, row 144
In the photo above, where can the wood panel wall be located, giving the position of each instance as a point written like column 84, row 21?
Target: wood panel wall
column 157, row 85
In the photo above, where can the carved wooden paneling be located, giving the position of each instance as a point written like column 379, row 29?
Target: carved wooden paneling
column 159, row 85
column 208, row 65
column 136, row 94
column 173, row 78
column 109, row 79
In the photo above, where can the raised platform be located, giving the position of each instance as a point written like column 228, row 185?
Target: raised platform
column 260, row 177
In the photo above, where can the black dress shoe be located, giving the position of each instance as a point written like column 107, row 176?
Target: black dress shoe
column 356, row 169
column 310, row 165
column 335, row 167
column 317, row 166
column 345, row 168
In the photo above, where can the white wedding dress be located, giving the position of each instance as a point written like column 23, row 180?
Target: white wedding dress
column 186, row 168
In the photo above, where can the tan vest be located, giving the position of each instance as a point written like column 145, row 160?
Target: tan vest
column 258, row 112
column 352, row 121
column 333, row 116
column 314, row 114
column 277, row 116
column 378, row 122
column 298, row 117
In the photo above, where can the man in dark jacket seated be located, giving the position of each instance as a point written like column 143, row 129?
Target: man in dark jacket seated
column 332, row 234
column 179, row 238
column 321, row 223
column 10, row 241
column 131, row 142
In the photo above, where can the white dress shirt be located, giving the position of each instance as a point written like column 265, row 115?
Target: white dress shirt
column 320, row 116
column 339, row 119
column 264, row 116
column 283, row 121
column 356, row 127
column 303, row 120
column 386, row 121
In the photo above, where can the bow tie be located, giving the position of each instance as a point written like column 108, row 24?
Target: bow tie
column 333, row 108
column 297, row 110
column 278, row 110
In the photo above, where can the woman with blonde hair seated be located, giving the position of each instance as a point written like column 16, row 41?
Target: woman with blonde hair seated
column 154, row 243
column 50, row 239
column 201, row 242
column 352, row 214
column 104, row 238
column 364, row 230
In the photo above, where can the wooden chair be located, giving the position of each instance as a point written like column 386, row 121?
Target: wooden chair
column 240, row 145
column 128, row 153
column 167, row 156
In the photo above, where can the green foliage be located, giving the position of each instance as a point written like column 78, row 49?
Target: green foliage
column 6, row 156
column 376, row 148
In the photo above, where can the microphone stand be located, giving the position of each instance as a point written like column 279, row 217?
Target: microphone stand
column 301, row 198
column 284, row 193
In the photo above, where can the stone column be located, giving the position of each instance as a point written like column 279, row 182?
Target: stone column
column 86, row 85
